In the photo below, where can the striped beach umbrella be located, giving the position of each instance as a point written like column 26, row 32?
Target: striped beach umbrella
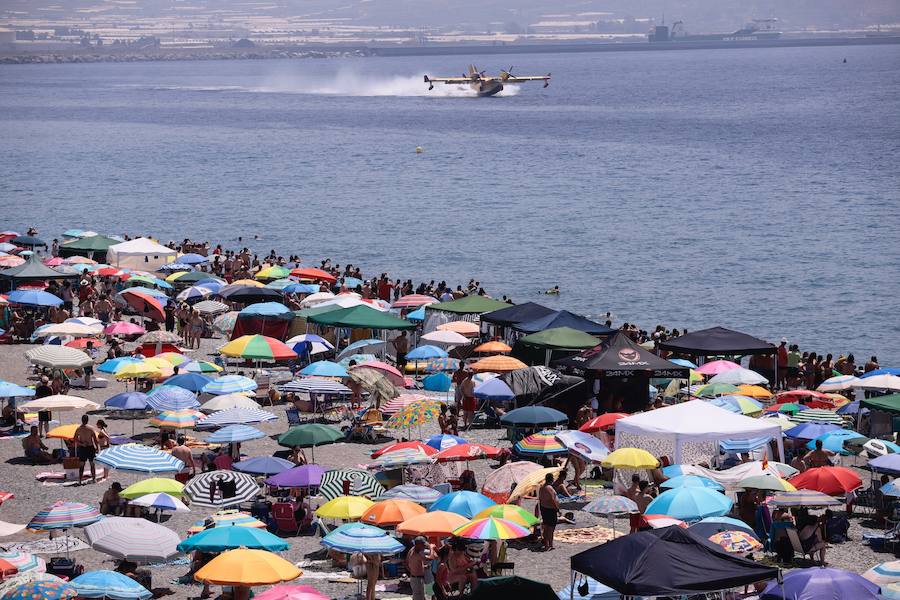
column 885, row 573
column 360, row 537
column 171, row 397
column 64, row 515
column 316, row 385
column 227, row 518
column 230, row 384
column 416, row 493
column 199, row 366
column 716, row 389
column 161, row 501
column 402, row 458
column 838, row 383
column 491, row 528
column 217, row 489
column 466, row 452
column 442, row 441
column 236, row 416
column 257, row 347
column 109, row 584
column 510, row 512
column 540, row 444
column 229, row 401
column 803, row 498
column 397, row 446
column 741, row 405
column 355, row 481
column 611, row 505
column 138, row 458
column 818, row 415
column 136, row 540
column 234, row 434
column 413, row 301
column 24, row 562
column 176, row 419
column 114, row 364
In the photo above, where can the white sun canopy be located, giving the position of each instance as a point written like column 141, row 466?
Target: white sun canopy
column 694, row 422
column 141, row 254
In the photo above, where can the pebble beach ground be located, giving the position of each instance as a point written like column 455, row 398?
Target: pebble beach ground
column 18, row 477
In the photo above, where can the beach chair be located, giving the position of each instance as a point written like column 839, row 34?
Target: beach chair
column 443, row 488
column 794, row 536
column 883, row 539
column 283, row 514
column 293, row 416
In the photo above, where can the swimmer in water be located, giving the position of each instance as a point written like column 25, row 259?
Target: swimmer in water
column 553, row 292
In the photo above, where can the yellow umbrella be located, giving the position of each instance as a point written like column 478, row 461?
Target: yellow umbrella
column 344, row 507
column 63, row 432
column 532, row 481
column 509, row 512
column 754, row 391
column 252, row 282
column 174, row 276
column 247, row 568
column 631, row 458
column 154, row 485
column 138, row 370
column 695, row 376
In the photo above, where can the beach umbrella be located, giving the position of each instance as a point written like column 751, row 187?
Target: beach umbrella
column 224, row 323
column 324, row 368
column 529, row 483
column 398, row 446
column 788, row 408
column 442, row 441
column 316, row 385
column 220, row 539
column 58, row 403
column 217, row 489
column 810, row 431
column 24, row 562
column 753, row 391
column 766, row 482
column 313, row 274
column 467, row 452
column 176, row 419
column 890, row 489
column 801, row 497
column 161, row 501
column 611, row 505
column 415, row 493
column 138, row 370
column 661, row 521
column 717, row 366
column 630, row 458
column 344, row 507
column 291, row 592
column 736, row 542
column 713, row 525
column 879, row 382
column 716, row 389
column 257, row 347
column 741, row 405
column 413, row 301
column 391, row 512
column 367, row 346
column 63, row 432
column 467, row 504
column 414, row 414
column 401, row 458
column 58, row 357
column 226, row 518
column 539, row 444
column 838, row 383
column 195, row 293
column 491, row 528
column 10, row 260
column 128, row 401
column 739, row 376
column 64, row 515
column 136, row 540
column 389, row 371
column 533, row 416
column 171, row 397
column 498, row 484
column 153, row 485
column 361, row 537
column 602, row 422
column 884, row 573
column 510, row 512
column 48, row 587
column 230, row 384
column 816, row 415
column 493, row 347
column 690, row 503
column 236, row 416
column 310, row 435
column 433, row 524
column 303, row 476
column 833, row 481
column 426, row 352
column 244, row 567
column 317, row 344
column 12, row 390
column 692, row 481
column 402, row 401
column 494, row 390
column 33, row 298
column 70, row 329
column 143, row 303
column 192, row 382
column 834, row 441
column 199, row 366
column 114, row 364
column 210, row 307
column 263, row 465
column 235, row 433
column 10, row 528
column 498, row 364
column 821, row 583
column 137, row 458
column 446, row 338
column 361, row 483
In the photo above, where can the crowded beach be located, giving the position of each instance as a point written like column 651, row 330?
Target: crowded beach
column 190, row 420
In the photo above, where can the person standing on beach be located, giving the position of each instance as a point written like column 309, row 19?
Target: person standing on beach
column 781, row 382
column 468, row 399
column 417, row 560
column 184, row 454
column 548, row 503
column 86, row 446
column 401, row 347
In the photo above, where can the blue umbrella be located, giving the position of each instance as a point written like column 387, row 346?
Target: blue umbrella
column 34, row 298
column 361, row 347
column 12, row 390
column 230, row 384
column 171, row 397
column 884, row 371
column 267, row 309
column 834, row 441
column 312, row 344
column 534, row 416
column 810, row 431
column 263, row 465
column 734, row 446
column 324, row 368
column 356, row 358
column 195, row 292
column 889, row 463
column 426, row 352
column 220, row 539
column 192, row 259
column 494, row 389
column 851, row 408
column 890, row 489
column 300, row 288
column 415, row 493
column 822, row 583
column 359, row 537
column 109, row 584
column 139, row 459
column 236, row 416
column 692, row 481
column 416, row 315
column 352, row 282
column 128, row 401
column 213, row 284
column 467, row 504
column 193, row 382
column 683, row 362
column 176, row 266
column 235, row 433
column 442, row 441
column 114, row 364
column 690, row 504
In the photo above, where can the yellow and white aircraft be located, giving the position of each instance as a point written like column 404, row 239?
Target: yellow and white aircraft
column 486, row 85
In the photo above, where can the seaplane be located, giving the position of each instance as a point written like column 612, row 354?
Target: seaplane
column 486, row 85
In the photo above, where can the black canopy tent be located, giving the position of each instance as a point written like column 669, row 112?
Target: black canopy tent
column 518, row 313
column 542, row 385
column 563, row 318
column 624, row 369
column 667, row 562
column 717, row 341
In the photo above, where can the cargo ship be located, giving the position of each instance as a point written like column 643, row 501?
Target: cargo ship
column 759, row 29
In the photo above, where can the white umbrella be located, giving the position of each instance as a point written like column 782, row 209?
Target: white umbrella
column 72, row 329
column 136, row 540
column 161, row 501
column 838, row 383
column 10, row 528
column 316, row 298
column 229, row 401
column 59, row 402
column 89, row 321
column 878, row 382
column 58, row 357
column 449, row 338
column 739, row 376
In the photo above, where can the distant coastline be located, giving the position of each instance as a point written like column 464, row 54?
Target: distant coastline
column 94, row 54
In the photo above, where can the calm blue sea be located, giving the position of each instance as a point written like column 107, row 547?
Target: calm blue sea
column 756, row 189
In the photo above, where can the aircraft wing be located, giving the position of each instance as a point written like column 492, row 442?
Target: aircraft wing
column 517, row 79
column 449, row 80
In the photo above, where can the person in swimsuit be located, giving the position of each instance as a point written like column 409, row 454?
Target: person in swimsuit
column 469, row 404
column 86, row 446
column 34, row 448
column 548, row 503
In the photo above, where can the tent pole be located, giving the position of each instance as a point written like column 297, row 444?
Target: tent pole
column 571, row 584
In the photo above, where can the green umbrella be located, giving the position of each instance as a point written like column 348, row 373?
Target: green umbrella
column 310, row 435
column 716, row 389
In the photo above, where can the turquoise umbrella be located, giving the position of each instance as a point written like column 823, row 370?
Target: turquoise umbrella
column 692, row 481
column 109, row 584
column 690, row 504
column 324, row 368
column 220, row 539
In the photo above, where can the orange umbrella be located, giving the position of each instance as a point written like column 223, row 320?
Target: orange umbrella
column 313, row 273
column 247, row 568
column 498, row 364
column 438, row 523
column 391, row 512
column 493, row 347
column 145, row 304
column 460, row 327
column 754, row 391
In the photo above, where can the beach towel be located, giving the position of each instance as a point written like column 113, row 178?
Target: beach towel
column 7, row 434
column 588, row 535
column 48, row 546
column 58, row 478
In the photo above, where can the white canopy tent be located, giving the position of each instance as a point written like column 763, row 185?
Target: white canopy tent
column 690, row 432
column 141, row 254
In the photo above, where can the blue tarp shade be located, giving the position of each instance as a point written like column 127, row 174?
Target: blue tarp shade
column 564, row 318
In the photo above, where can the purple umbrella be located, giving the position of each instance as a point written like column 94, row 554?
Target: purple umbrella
column 822, row 583
column 298, row 477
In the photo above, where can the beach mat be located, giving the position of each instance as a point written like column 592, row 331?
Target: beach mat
column 587, row 535
column 54, row 546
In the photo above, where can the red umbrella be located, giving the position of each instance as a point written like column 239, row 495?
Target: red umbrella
column 602, row 422
column 467, row 452
column 81, row 343
column 414, row 445
column 144, row 304
column 833, row 481
column 109, row 272
column 313, row 273
column 413, row 300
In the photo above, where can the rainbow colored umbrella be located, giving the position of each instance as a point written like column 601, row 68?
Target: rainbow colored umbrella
column 736, row 542
column 540, row 444
column 417, row 413
column 199, row 366
column 275, row 272
column 491, row 528
column 24, row 562
column 257, row 347
column 177, row 419
column 510, row 512
column 227, row 518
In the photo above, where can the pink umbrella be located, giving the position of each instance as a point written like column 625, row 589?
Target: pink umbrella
column 291, row 592
column 123, row 328
column 658, row 521
column 717, row 366
column 413, row 300
column 53, row 262
column 393, row 375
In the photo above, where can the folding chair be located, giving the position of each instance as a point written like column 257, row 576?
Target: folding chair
column 283, row 513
